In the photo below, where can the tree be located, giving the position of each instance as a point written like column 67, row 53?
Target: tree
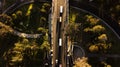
column 81, row 62
column 24, row 53
column 99, row 39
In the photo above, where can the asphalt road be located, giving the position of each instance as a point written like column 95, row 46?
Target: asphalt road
column 55, row 18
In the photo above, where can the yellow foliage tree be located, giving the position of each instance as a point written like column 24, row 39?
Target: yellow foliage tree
column 81, row 62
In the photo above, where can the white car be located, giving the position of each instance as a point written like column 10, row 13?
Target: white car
column 61, row 9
